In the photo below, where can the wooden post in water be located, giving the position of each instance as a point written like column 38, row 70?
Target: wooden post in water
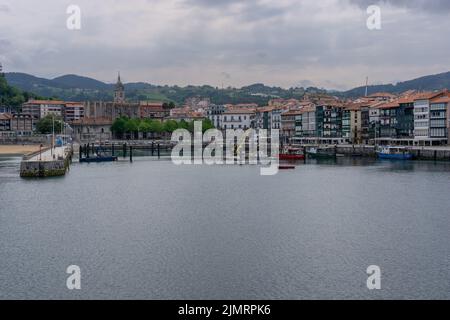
column 87, row 150
column 112, row 150
column 131, row 153
column 158, row 152
column 153, row 147
column 81, row 152
column 124, row 150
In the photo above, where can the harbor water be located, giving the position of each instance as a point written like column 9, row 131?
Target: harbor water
column 153, row 230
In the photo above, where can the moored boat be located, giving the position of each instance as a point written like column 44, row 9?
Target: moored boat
column 99, row 159
column 286, row 167
column 290, row 153
column 394, row 153
column 322, row 152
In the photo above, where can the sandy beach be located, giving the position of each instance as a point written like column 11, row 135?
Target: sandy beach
column 18, row 149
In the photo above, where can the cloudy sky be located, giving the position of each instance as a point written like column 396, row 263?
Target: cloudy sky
column 278, row 42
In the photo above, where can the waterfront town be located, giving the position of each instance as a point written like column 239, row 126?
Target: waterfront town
column 412, row 118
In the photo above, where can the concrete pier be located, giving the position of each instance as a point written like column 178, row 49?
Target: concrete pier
column 47, row 163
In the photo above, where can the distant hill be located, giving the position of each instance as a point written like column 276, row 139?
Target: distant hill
column 26, row 81
column 427, row 83
column 74, row 81
column 79, row 88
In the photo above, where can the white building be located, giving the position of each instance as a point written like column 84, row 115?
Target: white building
column 422, row 132
column 39, row 109
column 214, row 113
column 237, row 119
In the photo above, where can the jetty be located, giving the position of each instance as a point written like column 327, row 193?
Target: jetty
column 48, row 162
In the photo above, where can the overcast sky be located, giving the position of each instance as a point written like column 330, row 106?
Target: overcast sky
column 278, row 42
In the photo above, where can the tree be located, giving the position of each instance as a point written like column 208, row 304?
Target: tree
column 132, row 126
column 45, row 125
column 156, row 126
column 145, row 126
column 206, row 125
column 183, row 124
column 118, row 127
column 170, row 126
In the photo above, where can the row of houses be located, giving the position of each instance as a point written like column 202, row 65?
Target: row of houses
column 13, row 125
column 411, row 119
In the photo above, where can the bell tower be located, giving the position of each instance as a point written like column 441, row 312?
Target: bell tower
column 119, row 91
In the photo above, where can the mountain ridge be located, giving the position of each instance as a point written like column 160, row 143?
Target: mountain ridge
column 80, row 88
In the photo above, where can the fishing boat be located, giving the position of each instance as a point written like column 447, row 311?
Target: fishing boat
column 98, row 158
column 322, row 153
column 394, row 153
column 290, row 153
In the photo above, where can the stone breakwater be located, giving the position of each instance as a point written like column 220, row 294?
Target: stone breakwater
column 38, row 168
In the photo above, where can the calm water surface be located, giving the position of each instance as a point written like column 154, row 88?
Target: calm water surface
column 152, row 230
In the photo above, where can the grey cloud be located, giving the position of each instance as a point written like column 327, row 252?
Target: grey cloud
column 436, row 6
column 207, row 41
column 4, row 8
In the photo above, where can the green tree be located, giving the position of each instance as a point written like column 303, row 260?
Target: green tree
column 132, row 126
column 183, row 124
column 145, row 126
column 45, row 125
column 118, row 126
column 156, row 126
column 206, row 125
column 170, row 126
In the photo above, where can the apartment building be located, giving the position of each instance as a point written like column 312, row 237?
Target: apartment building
column 329, row 120
column 268, row 118
column 16, row 124
column 39, row 109
column 237, row 119
column 439, row 108
column 73, row 111
column 352, row 123
column 423, row 116
column 214, row 113
column 288, row 120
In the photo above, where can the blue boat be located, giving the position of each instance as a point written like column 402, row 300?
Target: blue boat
column 99, row 159
column 394, row 153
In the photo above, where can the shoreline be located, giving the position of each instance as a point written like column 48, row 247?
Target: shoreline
column 18, row 150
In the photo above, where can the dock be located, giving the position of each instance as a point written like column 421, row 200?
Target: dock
column 47, row 162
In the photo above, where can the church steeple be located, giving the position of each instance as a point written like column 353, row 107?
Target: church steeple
column 119, row 91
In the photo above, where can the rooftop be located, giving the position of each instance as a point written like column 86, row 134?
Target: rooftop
column 93, row 121
column 45, row 102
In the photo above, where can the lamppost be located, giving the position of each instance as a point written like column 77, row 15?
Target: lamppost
column 53, row 134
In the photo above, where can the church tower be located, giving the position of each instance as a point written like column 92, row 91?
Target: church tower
column 119, row 91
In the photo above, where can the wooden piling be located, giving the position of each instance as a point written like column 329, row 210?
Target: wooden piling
column 158, row 151
column 131, row 153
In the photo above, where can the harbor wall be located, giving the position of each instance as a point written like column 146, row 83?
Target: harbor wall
column 418, row 153
column 42, row 169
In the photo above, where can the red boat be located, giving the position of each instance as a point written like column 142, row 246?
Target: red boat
column 292, row 154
